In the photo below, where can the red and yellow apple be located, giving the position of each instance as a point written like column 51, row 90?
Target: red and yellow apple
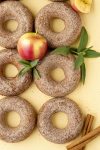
column 32, row 46
column 83, row 6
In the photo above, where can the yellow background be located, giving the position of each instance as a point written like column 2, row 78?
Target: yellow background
column 87, row 96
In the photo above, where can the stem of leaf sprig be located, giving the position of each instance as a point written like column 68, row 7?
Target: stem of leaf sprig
column 29, row 65
column 81, row 52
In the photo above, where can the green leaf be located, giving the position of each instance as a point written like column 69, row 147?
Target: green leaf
column 24, row 62
column 83, row 72
column 83, row 40
column 79, row 61
column 19, row 74
column 65, row 50
column 73, row 50
column 24, row 70
column 88, row 48
column 36, row 74
column 34, row 63
column 92, row 54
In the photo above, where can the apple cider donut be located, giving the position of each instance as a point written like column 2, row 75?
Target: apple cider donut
column 27, row 119
column 57, row 89
column 74, row 125
column 18, row 84
column 14, row 10
column 64, row 12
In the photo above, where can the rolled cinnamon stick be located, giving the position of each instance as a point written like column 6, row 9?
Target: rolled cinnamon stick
column 79, row 143
column 87, row 125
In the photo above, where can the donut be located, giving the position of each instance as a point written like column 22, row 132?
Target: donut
column 54, row 134
column 27, row 119
column 14, row 10
column 18, row 84
column 64, row 12
column 53, row 88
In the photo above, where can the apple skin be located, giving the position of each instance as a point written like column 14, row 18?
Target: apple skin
column 32, row 46
column 73, row 6
column 81, row 7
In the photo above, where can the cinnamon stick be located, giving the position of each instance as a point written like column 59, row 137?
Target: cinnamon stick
column 90, row 124
column 87, row 125
column 79, row 143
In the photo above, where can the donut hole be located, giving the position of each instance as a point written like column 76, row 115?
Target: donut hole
column 59, row 120
column 11, row 25
column 57, row 74
column 54, row 25
column 10, row 71
column 12, row 119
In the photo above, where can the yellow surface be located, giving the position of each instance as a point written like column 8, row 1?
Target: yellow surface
column 87, row 96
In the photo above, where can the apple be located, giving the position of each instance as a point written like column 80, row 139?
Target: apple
column 83, row 6
column 32, row 46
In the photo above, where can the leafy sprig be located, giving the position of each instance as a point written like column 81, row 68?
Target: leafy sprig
column 65, row 50
column 29, row 65
column 81, row 53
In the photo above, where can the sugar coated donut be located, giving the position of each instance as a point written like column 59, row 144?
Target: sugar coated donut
column 27, row 119
column 74, row 125
column 57, row 89
column 64, row 12
column 14, row 10
column 18, row 84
